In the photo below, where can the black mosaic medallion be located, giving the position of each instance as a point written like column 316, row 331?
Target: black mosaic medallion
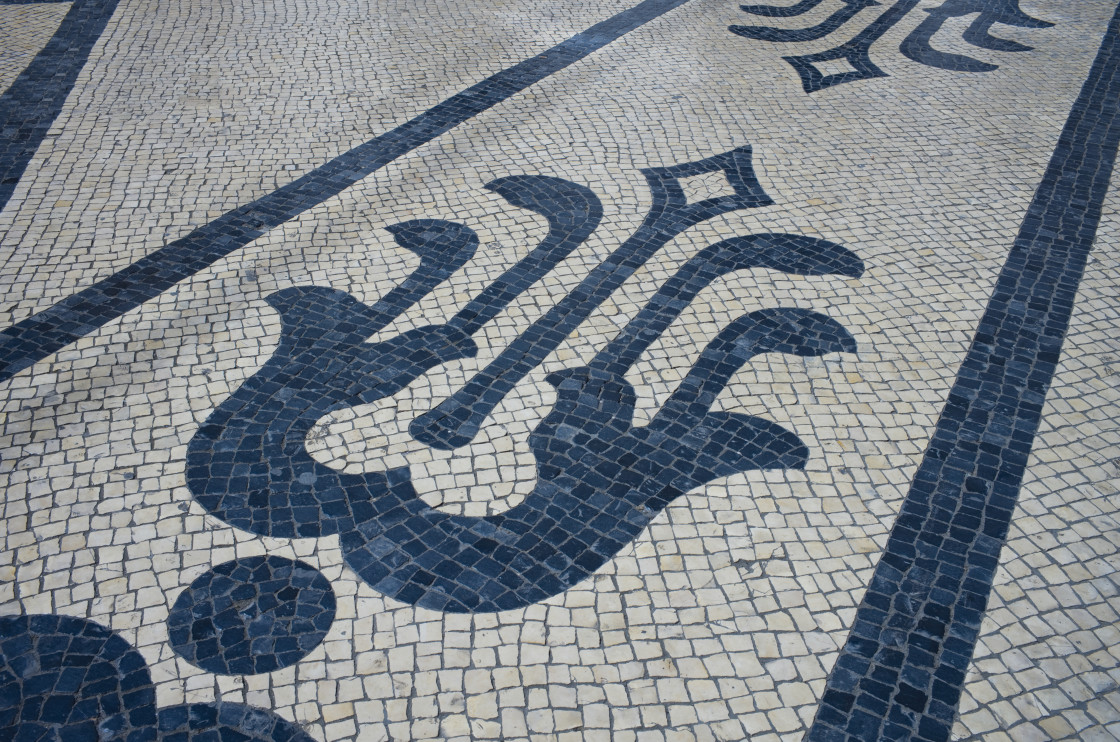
column 251, row 616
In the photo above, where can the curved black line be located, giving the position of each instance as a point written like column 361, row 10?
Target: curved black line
column 822, row 29
column 782, row 11
column 917, row 47
column 977, row 35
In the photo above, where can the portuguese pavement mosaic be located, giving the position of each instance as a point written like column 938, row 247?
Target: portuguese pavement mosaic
column 662, row 370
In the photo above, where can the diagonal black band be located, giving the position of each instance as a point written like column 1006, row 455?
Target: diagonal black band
column 901, row 672
column 33, row 101
column 38, row 336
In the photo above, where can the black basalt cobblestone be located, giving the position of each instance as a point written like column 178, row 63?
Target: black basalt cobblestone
column 219, row 722
column 67, row 678
column 73, row 680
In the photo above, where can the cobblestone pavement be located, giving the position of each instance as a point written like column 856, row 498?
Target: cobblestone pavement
column 598, row 369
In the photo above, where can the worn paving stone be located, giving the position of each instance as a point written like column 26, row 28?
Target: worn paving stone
column 665, row 370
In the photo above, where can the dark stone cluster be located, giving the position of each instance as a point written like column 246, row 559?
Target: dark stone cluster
column 916, row 46
column 73, row 680
column 252, row 616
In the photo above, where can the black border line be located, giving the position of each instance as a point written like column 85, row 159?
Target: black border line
column 36, row 337
column 901, row 673
column 35, row 98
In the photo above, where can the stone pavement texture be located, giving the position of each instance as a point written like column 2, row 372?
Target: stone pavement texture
column 598, row 369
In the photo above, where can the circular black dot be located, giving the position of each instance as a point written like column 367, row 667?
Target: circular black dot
column 252, row 616
column 64, row 678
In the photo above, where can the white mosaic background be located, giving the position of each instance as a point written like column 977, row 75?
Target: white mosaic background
column 723, row 619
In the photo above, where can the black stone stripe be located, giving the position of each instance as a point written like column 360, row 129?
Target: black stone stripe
column 34, row 100
column 35, row 338
column 901, row 672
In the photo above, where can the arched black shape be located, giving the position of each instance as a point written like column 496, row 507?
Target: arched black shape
column 822, row 29
column 917, row 46
column 251, row 616
column 64, row 678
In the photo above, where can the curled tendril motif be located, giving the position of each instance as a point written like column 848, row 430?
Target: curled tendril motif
column 600, row 480
column 855, row 52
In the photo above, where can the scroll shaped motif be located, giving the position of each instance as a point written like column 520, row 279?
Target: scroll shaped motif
column 855, row 53
column 600, row 481
column 456, row 421
column 916, row 46
column 248, row 464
